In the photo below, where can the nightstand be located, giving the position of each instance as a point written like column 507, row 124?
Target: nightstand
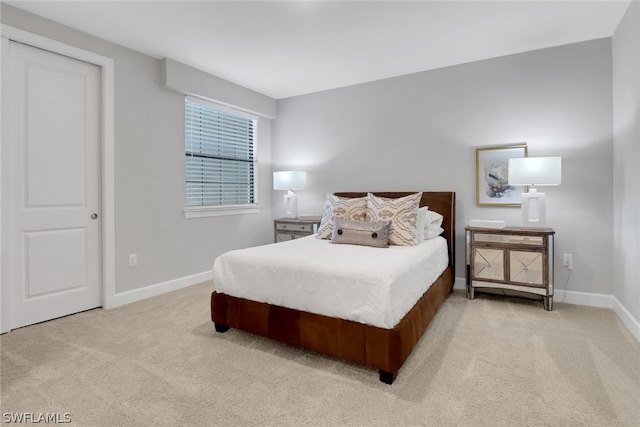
column 288, row 229
column 519, row 259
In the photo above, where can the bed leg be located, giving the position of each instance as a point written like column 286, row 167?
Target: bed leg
column 221, row 328
column 387, row 377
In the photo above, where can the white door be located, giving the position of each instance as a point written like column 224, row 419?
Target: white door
column 54, row 182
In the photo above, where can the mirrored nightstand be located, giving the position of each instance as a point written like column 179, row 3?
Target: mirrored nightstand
column 288, row 229
column 510, row 258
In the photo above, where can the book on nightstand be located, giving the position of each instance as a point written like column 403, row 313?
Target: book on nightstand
column 487, row 223
column 309, row 217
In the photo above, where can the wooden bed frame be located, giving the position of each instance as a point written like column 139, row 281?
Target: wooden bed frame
column 384, row 349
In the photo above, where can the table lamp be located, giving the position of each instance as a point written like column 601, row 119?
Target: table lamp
column 534, row 172
column 290, row 180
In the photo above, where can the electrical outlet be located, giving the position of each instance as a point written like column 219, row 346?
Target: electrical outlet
column 133, row 260
column 567, row 261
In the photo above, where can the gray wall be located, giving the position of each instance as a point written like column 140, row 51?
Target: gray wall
column 416, row 132
column 626, row 131
column 149, row 170
column 420, row 132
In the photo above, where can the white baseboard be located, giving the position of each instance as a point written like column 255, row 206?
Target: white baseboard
column 626, row 318
column 460, row 283
column 569, row 297
column 583, row 298
column 588, row 299
column 160, row 288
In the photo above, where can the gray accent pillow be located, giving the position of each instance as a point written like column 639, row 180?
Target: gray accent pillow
column 363, row 233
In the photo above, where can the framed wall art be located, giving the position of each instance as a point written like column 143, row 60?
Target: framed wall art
column 492, row 171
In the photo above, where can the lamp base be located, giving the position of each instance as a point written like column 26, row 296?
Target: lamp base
column 533, row 209
column 291, row 202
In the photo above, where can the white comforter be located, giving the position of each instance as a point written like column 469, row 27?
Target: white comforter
column 375, row 286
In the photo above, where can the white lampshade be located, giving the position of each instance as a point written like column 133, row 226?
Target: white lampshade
column 536, row 171
column 290, row 180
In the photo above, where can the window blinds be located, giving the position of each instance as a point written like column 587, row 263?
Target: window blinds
column 220, row 160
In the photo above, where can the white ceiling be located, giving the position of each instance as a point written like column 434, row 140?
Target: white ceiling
column 289, row 48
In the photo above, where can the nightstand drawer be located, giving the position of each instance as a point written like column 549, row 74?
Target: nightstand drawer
column 294, row 227
column 509, row 239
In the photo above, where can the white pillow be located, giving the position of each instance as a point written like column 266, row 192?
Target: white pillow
column 432, row 224
column 434, row 220
column 430, row 234
column 421, row 223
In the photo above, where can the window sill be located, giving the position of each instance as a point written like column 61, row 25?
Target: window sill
column 206, row 211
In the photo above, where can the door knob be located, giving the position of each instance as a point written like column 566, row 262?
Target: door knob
column 94, row 216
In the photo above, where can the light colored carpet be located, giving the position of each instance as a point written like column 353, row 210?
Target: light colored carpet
column 493, row 361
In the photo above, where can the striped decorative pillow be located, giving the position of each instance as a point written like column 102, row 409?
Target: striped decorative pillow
column 403, row 213
column 354, row 209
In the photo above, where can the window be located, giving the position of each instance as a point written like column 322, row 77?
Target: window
column 220, row 158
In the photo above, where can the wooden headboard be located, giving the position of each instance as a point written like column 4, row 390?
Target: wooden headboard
column 443, row 202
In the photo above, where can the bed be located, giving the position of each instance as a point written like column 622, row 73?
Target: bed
column 372, row 337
